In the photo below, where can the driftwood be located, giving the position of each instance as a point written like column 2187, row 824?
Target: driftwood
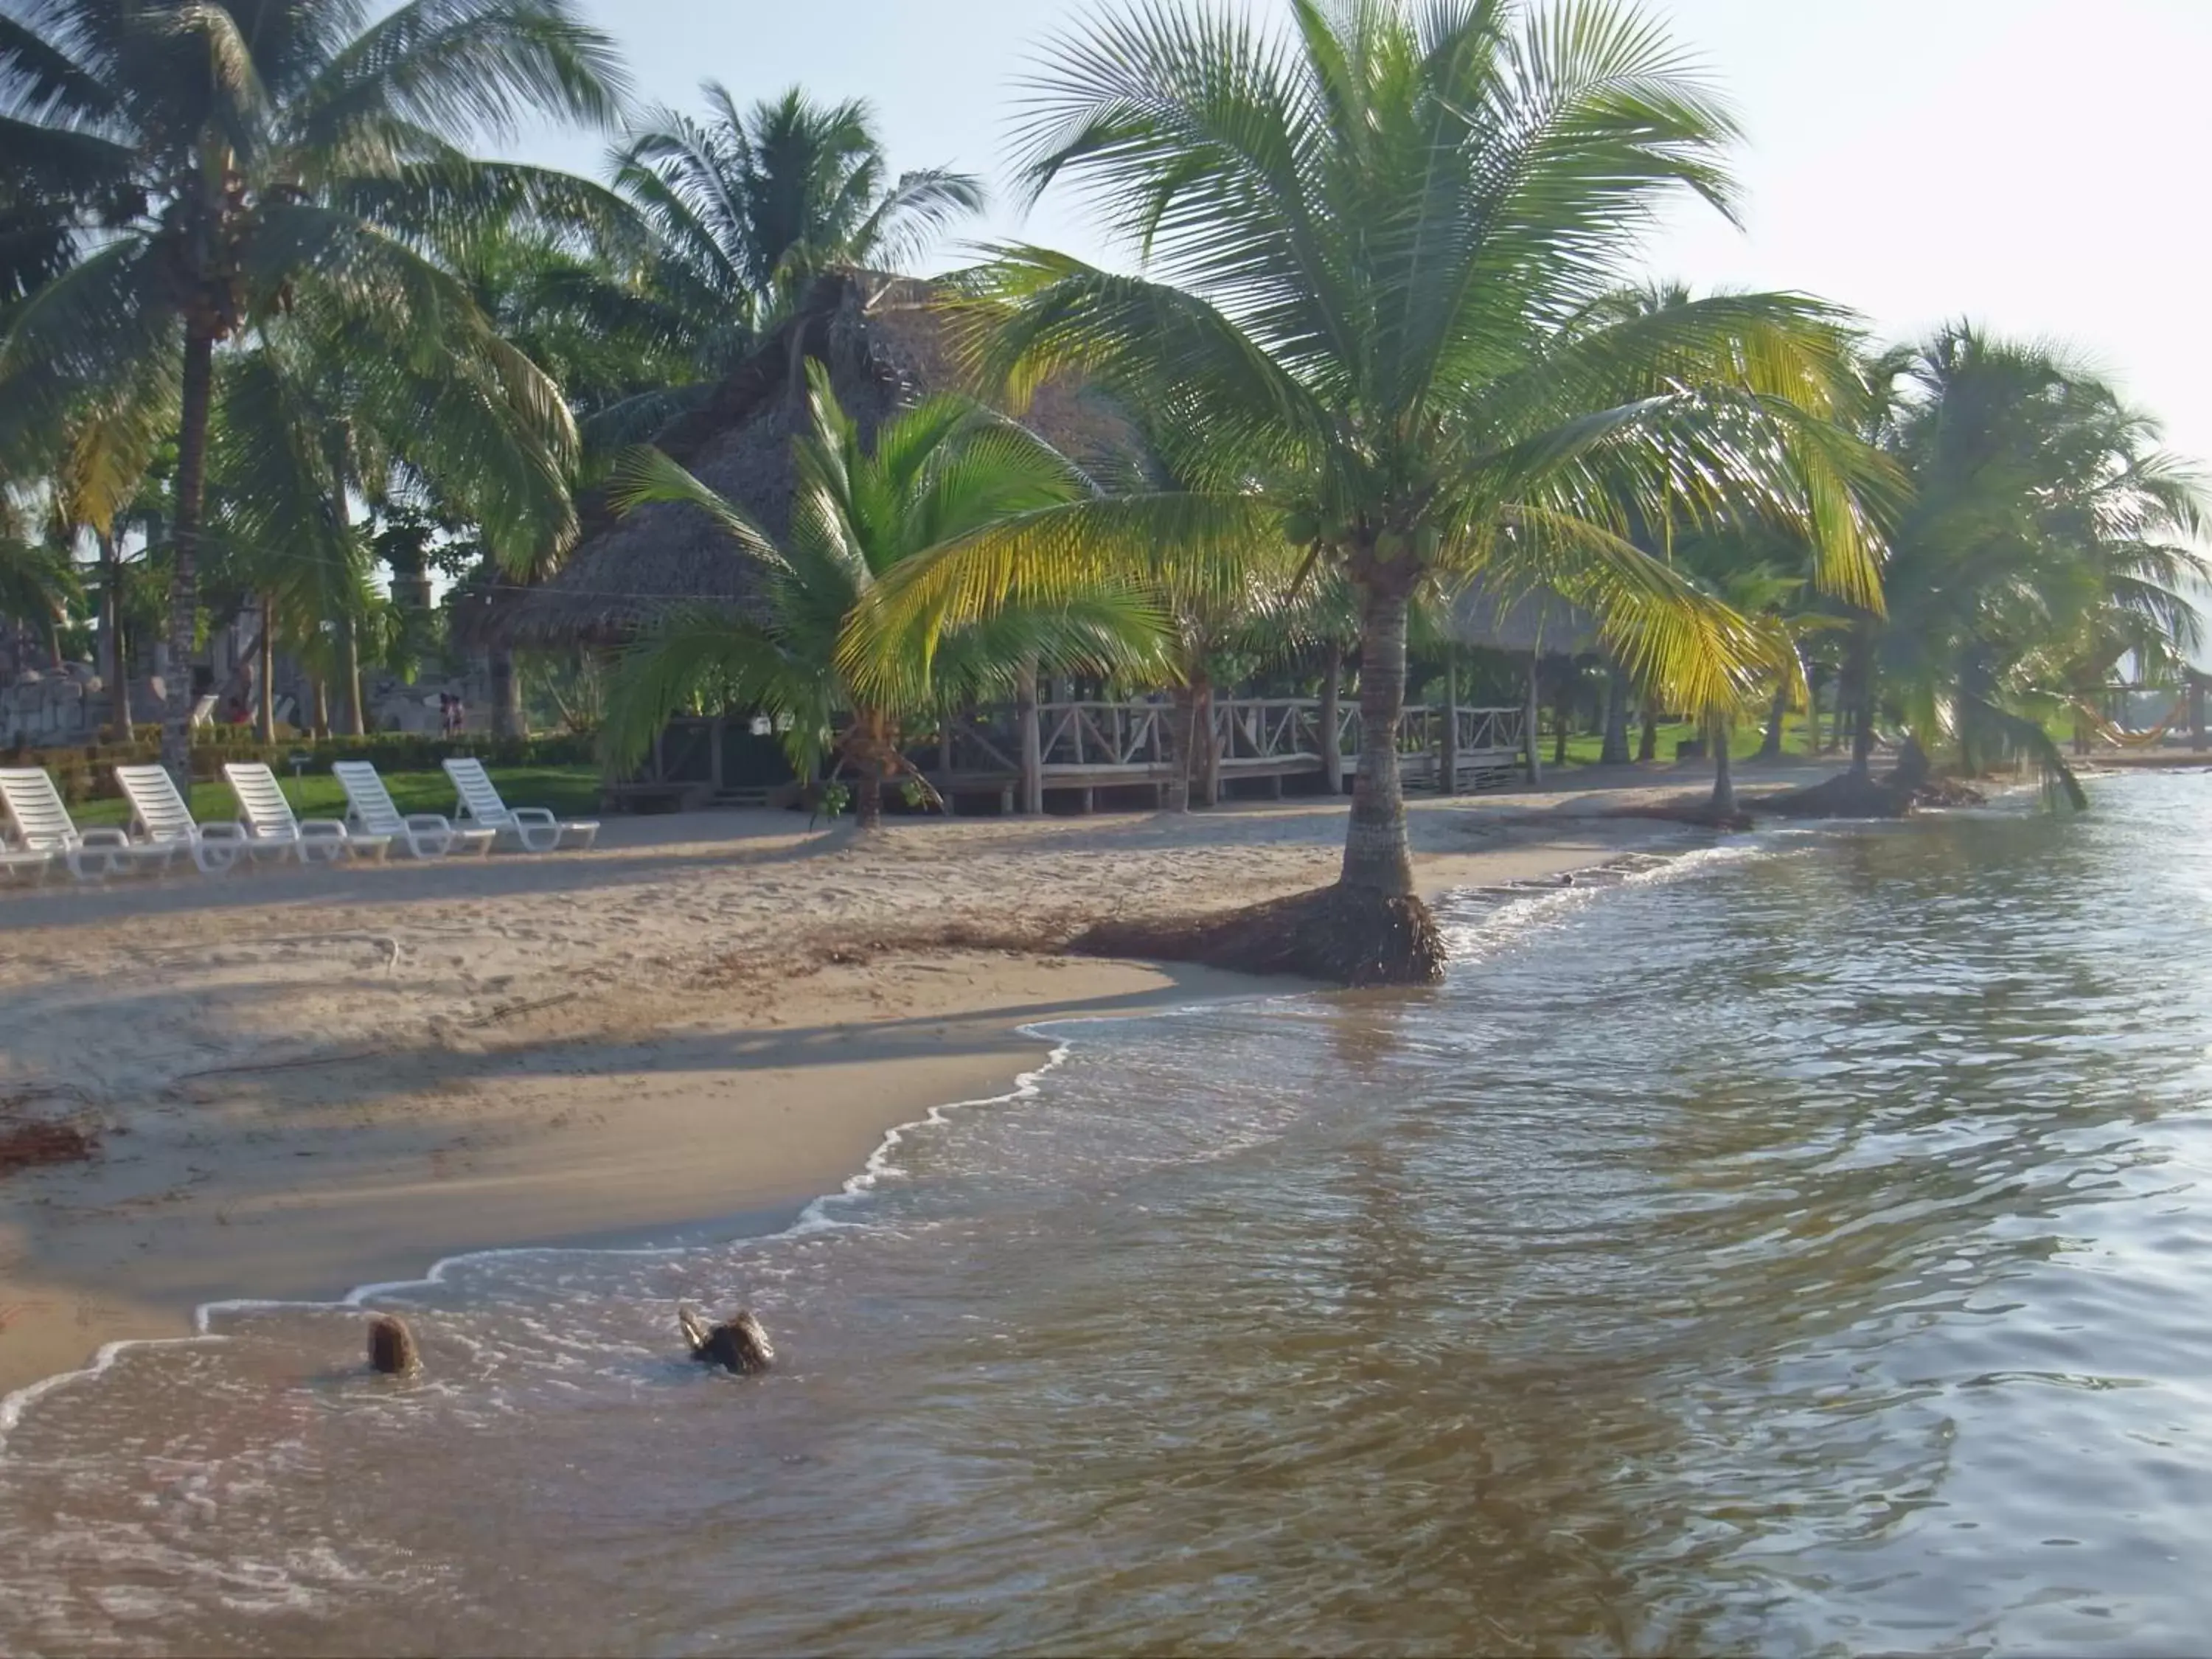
column 737, row 1344
column 391, row 1349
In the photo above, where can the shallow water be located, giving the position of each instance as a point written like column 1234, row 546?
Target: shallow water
column 1805, row 1248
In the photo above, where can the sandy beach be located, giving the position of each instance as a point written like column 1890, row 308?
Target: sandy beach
column 304, row 1080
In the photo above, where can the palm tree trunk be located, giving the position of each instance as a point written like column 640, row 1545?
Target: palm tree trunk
column 1532, row 704
column 1182, row 744
column 1860, row 678
column 199, row 397
column 116, row 668
column 868, row 746
column 266, row 703
column 1027, row 719
column 1447, row 756
column 356, row 716
column 507, row 716
column 1332, row 700
column 1615, row 752
column 1377, row 857
column 322, row 708
column 1769, row 745
column 1647, row 743
column 1209, row 745
column 1723, row 802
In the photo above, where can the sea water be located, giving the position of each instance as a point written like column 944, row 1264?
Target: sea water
column 1803, row 1248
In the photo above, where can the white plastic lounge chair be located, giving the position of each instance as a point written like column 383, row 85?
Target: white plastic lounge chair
column 532, row 828
column 424, row 834
column 161, row 816
column 41, row 823
column 15, row 864
column 274, row 830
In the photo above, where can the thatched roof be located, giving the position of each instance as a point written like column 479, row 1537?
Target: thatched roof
column 886, row 348
column 1542, row 621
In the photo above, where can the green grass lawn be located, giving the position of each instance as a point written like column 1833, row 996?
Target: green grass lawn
column 1582, row 749
column 568, row 791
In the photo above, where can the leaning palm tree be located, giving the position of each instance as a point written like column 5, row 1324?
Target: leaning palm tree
column 749, row 204
column 227, row 159
column 2046, row 524
column 937, row 472
column 1381, row 248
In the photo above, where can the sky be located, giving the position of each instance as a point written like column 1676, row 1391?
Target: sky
column 2037, row 166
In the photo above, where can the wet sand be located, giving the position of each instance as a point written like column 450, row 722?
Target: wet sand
column 305, row 1080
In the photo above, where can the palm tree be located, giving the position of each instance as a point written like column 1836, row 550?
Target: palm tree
column 1382, row 248
column 749, row 203
column 108, row 448
column 227, row 159
column 2046, row 528
column 933, row 473
column 38, row 584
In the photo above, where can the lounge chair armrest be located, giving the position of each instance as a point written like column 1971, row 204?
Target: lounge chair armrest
column 532, row 815
column 326, row 829
column 424, row 824
column 225, row 829
column 104, row 835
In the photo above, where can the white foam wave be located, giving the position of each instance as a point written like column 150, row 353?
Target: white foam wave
column 815, row 1218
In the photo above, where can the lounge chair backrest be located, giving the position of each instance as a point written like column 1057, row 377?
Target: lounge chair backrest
column 370, row 800
column 155, row 800
column 35, row 808
column 262, row 799
column 477, row 793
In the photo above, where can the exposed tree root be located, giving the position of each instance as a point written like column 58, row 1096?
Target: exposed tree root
column 1896, row 796
column 1340, row 935
column 1696, row 811
column 1843, row 797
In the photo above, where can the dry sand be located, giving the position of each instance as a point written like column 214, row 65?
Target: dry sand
column 303, row 1080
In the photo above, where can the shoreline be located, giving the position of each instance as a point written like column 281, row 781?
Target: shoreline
column 307, row 1168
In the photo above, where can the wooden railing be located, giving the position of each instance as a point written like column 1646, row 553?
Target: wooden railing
column 1088, row 745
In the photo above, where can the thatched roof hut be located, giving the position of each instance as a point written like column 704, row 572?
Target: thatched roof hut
column 1485, row 620
column 886, row 348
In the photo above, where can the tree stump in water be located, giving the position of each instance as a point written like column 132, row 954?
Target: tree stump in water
column 392, row 1350
column 737, row 1344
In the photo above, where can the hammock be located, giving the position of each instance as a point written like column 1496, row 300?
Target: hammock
column 2119, row 737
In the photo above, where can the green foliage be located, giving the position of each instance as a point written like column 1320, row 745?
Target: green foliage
column 944, row 470
column 227, row 169
column 749, row 203
column 568, row 791
column 89, row 773
column 2048, row 538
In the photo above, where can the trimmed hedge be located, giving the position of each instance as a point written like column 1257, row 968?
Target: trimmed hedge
column 89, row 773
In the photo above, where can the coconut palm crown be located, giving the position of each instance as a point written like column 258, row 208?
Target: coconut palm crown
column 1378, row 246
column 750, row 202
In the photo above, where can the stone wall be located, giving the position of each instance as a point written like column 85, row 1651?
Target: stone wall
column 59, row 707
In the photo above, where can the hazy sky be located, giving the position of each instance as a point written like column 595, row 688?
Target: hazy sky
column 2037, row 166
